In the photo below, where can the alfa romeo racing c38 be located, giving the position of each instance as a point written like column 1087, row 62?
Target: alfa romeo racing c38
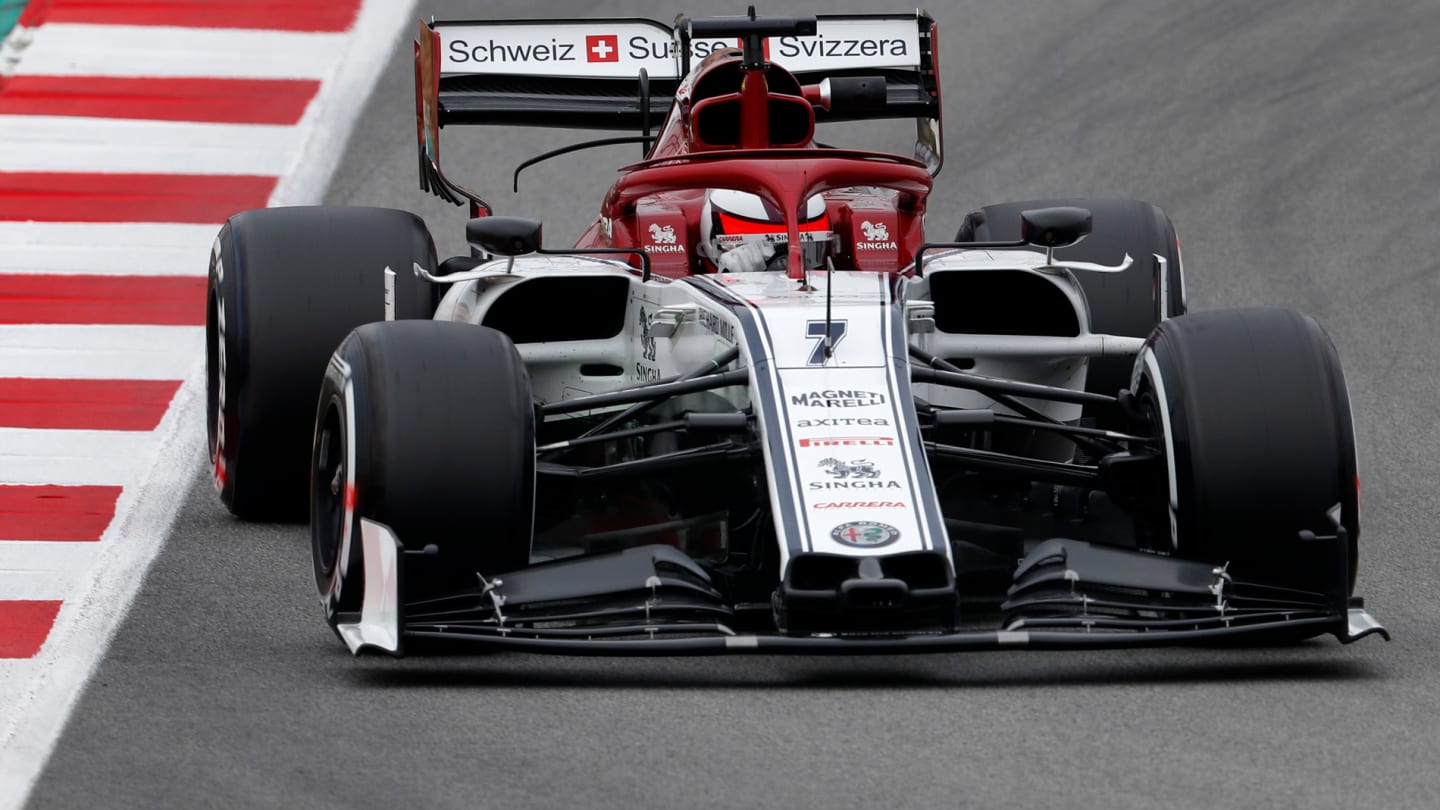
column 756, row 407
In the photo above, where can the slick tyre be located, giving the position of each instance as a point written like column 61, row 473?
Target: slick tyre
column 1255, row 415
column 427, row 427
column 1120, row 303
column 286, row 286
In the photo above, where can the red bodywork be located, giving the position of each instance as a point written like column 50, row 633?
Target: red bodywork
column 753, row 131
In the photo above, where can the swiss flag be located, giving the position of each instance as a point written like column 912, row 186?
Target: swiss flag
column 602, row 48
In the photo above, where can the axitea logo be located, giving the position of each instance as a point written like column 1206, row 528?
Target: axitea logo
column 855, row 441
column 841, row 422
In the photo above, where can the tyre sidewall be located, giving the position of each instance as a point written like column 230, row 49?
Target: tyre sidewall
column 339, row 561
column 222, row 366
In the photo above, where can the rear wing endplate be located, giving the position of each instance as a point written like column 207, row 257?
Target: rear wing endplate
column 622, row 74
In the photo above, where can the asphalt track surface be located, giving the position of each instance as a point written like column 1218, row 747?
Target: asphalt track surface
column 1293, row 143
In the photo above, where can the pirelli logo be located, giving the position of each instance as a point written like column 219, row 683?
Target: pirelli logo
column 850, row 441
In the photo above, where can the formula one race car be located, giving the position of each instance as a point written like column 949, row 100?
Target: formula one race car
column 753, row 409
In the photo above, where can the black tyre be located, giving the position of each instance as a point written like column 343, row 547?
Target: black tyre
column 1120, row 303
column 429, row 428
column 286, row 286
column 1256, row 417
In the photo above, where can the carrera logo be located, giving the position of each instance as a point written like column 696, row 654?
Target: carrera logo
column 776, row 239
column 859, row 505
column 858, row 441
column 602, row 48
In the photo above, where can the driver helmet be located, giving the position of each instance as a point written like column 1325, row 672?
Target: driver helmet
column 734, row 218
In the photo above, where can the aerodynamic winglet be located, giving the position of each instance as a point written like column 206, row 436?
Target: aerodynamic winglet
column 380, row 613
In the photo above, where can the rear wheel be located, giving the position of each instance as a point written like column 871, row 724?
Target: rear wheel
column 1120, row 303
column 427, row 427
column 1259, row 441
column 286, row 285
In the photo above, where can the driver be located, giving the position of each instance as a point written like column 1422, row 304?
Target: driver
column 742, row 233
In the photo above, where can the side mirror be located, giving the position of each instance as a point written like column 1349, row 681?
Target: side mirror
column 504, row 236
column 1054, row 227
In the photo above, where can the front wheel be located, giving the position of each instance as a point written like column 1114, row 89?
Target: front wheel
column 1259, row 443
column 427, row 427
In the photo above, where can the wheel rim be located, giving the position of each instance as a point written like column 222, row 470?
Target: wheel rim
column 328, row 498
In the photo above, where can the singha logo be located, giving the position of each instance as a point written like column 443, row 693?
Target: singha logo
column 662, row 236
column 873, row 232
column 860, row 468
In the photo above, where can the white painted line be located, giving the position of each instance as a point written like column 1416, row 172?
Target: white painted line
column 101, row 352
column 47, row 687
column 66, row 49
column 42, row 570
column 25, row 557
column 106, row 248
column 40, row 143
column 31, row 456
column 45, row 586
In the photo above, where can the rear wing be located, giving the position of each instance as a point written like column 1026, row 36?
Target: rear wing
column 622, row 74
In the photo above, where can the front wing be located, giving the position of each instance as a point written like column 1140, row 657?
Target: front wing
column 655, row 601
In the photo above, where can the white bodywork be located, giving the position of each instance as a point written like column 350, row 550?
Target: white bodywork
column 842, row 447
